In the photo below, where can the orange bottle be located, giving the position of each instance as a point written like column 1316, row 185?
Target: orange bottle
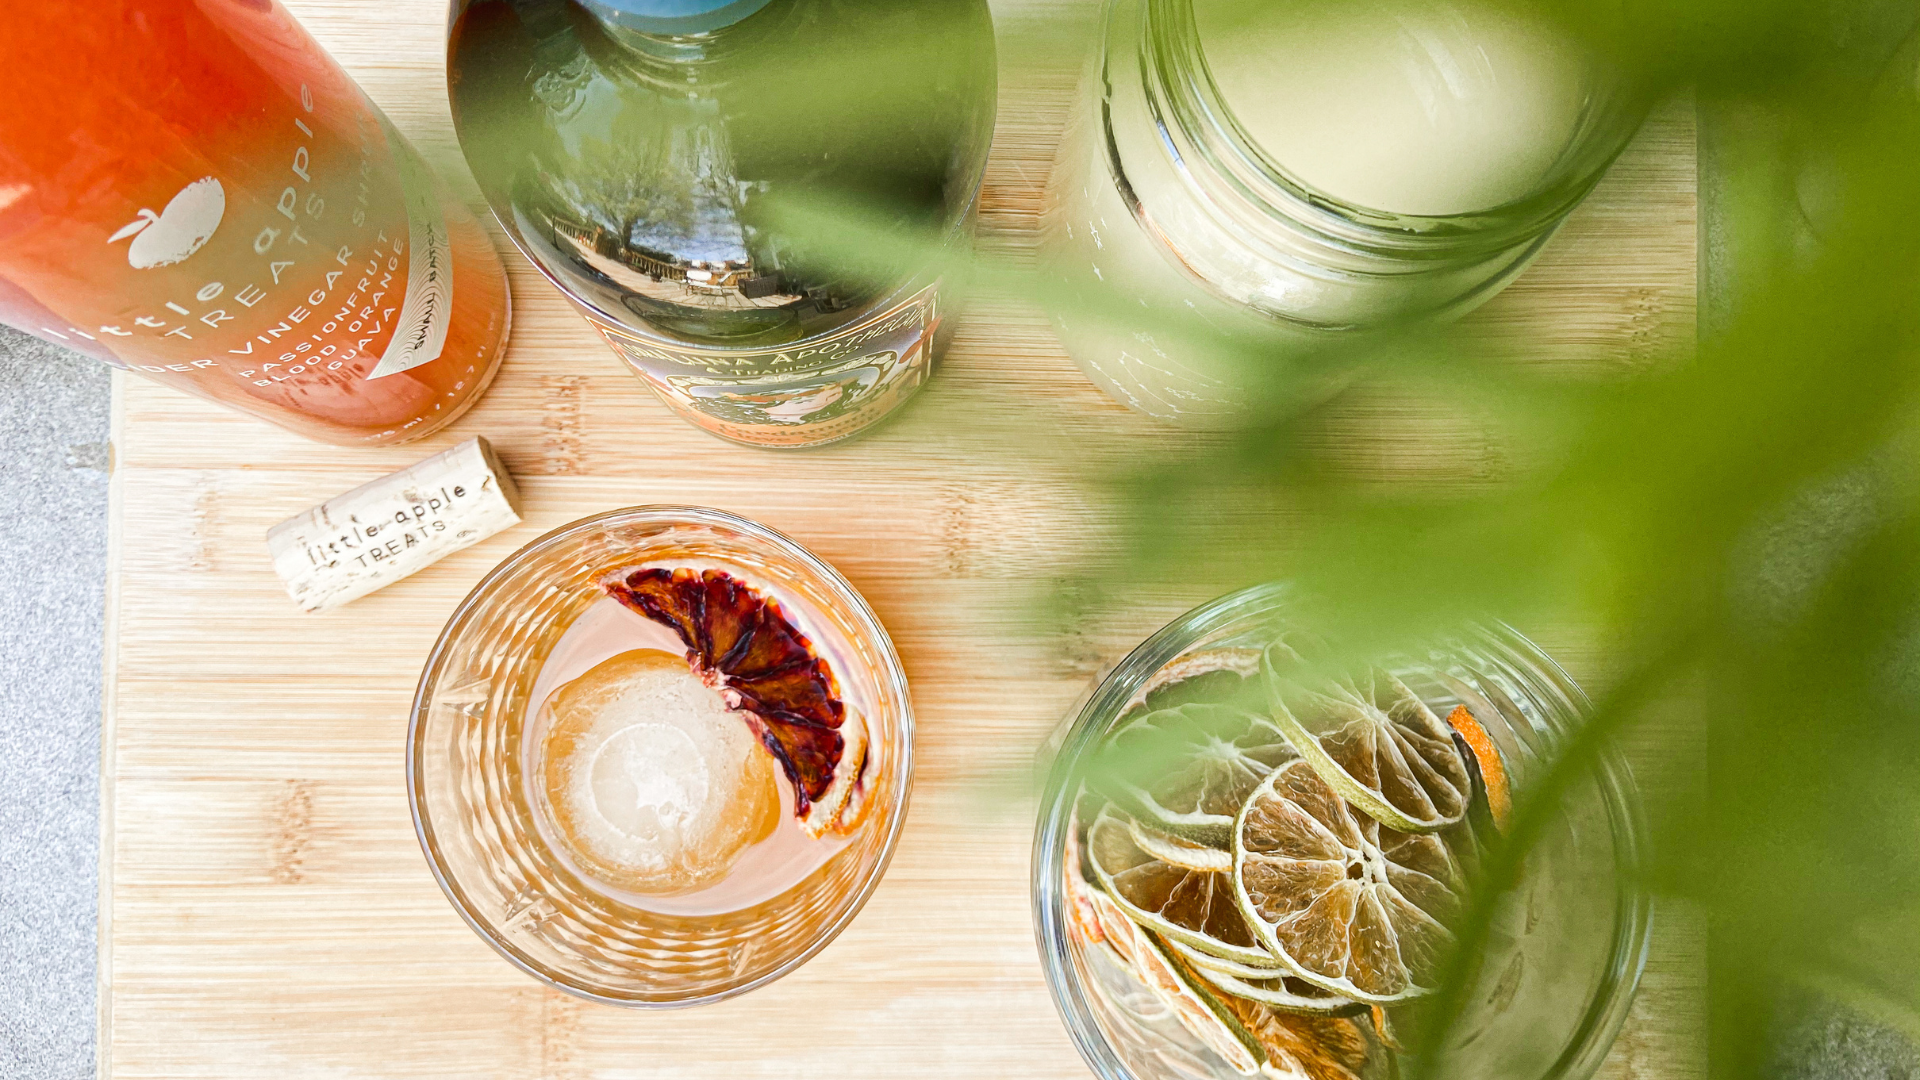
column 194, row 190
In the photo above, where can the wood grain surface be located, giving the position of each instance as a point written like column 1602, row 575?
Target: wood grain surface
column 265, row 909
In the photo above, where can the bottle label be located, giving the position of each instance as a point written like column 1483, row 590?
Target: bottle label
column 420, row 330
column 293, row 274
column 805, row 393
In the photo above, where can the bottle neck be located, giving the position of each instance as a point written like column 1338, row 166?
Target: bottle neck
column 672, row 38
column 671, row 18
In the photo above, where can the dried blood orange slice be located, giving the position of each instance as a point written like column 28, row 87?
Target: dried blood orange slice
column 1378, row 744
column 859, row 802
column 743, row 644
column 1353, row 906
column 1195, row 907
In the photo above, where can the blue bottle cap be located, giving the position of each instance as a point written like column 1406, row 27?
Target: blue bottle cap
column 674, row 17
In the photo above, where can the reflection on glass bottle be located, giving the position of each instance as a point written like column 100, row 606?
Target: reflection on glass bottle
column 653, row 157
column 196, row 192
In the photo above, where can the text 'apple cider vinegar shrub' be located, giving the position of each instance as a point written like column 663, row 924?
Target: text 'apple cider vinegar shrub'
column 683, row 170
column 197, row 192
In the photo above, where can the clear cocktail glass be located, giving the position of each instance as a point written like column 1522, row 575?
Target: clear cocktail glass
column 473, row 769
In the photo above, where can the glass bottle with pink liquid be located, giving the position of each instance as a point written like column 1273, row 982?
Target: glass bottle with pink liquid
column 196, row 192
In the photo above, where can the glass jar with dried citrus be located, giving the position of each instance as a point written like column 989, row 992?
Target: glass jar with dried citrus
column 1253, row 861
column 659, row 757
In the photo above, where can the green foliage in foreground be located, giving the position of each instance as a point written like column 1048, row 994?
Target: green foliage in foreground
column 1744, row 520
column 1740, row 523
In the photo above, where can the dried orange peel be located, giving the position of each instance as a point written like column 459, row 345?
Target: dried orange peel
column 1493, row 771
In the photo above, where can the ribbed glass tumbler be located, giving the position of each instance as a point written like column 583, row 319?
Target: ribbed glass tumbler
column 470, row 797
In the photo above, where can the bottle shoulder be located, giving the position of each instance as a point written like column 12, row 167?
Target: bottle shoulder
column 671, row 201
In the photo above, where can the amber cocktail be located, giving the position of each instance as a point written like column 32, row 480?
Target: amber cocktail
column 660, row 757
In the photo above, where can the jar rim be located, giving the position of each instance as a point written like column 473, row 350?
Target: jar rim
column 1606, row 1011
column 1174, row 63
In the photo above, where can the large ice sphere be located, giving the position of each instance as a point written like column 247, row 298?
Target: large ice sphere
column 653, row 784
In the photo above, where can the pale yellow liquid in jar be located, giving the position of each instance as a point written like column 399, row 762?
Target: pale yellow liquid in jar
column 1420, row 107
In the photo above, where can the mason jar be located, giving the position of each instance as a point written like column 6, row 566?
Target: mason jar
column 1245, row 191
column 1565, row 949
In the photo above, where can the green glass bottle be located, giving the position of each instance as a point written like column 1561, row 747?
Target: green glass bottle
column 678, row 168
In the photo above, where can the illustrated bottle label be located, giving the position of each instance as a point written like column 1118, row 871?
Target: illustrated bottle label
column 802, row 394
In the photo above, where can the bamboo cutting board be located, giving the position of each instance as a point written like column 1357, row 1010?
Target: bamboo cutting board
column 265, row 909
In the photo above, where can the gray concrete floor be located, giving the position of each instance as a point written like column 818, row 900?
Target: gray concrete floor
column 53, row 537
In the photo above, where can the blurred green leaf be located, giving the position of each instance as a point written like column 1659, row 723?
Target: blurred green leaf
column 1743, row 517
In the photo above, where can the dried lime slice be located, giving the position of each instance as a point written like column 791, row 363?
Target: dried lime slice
column 1196, row 907
column 1377, row 743
column 1284, row 994
column 1281, row 1044
column 1228, row 676
column 1200, row 1012
column 1353, row 906
column 1184, row 853
column 1270, row 968
column 1186, row 770
column 1312, row 1047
